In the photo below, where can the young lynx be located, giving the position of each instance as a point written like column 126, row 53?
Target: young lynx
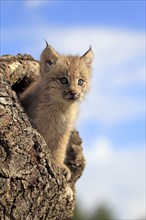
column 52, row 101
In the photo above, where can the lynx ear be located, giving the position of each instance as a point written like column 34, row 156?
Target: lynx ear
column 48, row 58
column 88, row 57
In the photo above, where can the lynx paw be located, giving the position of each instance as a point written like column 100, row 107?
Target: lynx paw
column 66, row 172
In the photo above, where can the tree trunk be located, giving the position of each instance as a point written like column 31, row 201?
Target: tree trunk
column 32, row 185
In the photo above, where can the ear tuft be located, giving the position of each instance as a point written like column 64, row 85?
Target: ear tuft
column 88, row 57
column 48, row 58
column 46, row 43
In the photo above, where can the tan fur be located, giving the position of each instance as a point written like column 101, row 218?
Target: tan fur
column 49, row 103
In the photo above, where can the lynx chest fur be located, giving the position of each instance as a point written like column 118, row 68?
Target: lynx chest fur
column 52, row 101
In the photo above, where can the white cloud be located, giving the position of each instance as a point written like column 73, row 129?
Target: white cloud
column 31, row 4
column 115, row 177
column 109, row 109
column 101, row 152
column 118, row 66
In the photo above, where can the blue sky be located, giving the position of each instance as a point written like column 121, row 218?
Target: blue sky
column 129, row 14
column 120, row 14
column 111, row 120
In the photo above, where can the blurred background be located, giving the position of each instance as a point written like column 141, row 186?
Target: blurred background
column 111, row 121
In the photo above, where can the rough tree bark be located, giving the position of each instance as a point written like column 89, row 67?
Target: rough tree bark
column 32, row 186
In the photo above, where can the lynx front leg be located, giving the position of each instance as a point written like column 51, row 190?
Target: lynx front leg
column 59, row 155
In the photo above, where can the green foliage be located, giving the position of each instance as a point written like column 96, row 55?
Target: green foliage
column 102, row 213
column 78, row 214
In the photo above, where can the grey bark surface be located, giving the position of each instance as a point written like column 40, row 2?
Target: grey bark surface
column 32, row 185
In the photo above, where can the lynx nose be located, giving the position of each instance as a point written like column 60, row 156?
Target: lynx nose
column 73, row 95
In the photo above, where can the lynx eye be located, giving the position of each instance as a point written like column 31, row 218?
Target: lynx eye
column 80, row 82
column 64, row 80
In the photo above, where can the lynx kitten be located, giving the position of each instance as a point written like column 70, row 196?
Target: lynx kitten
column 52, row 101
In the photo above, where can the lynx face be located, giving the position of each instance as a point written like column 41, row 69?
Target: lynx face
column 67, row 76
